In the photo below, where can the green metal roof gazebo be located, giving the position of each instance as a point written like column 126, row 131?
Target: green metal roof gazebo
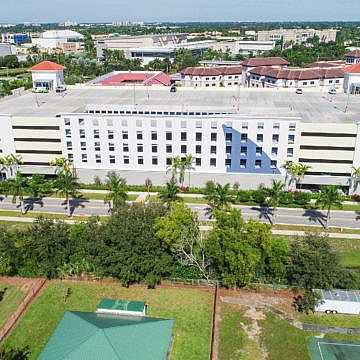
column 91, row 336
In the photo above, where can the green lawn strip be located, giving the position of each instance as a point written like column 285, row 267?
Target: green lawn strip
column 234, row 343
column 12, row 299
column 283, row 341
column 305, row 228
column 190, row 308
column 35, row 214
column 350, row 259
column 340, row 320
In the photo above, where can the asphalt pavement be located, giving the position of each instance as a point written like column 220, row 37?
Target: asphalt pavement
column 350, row 219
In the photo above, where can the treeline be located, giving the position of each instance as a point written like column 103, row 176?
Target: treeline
column 149, row 242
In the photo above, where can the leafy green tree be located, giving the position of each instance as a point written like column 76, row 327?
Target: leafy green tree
column 236, row 247
column 313, row 264
column 47, row 247
column 184, row 58
column 117, row 195
column 274, row 196
column 67, row 185
column 218, row 196
column 38, row 186
column 170, row 193
column 128, row 248
column 17, row 187
column 62, row 165
column 179, row 230
column 328, row 198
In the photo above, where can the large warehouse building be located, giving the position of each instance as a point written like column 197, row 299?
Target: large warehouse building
column 234, row 135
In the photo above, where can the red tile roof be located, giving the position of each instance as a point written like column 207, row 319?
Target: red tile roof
column 353, row 69
column 212, row 71
column 298, row 74
column 47, row 66
column 355, row 53
column 265, row 61
column 146, row 78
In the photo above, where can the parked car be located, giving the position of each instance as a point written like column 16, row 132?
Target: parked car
column 173, row 89
column 40, row 90
column 60, row 88
column 332, row 92
column 299, row 91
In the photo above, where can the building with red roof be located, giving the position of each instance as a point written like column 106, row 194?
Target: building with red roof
column 47, row 76
column 216, row 76
column 352, row 79
column 123, row 78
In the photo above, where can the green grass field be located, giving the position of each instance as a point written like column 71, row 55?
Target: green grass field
column 190, row 308
column 234, row 343
column 340, row 320
column 12, row 299
column 283, row 341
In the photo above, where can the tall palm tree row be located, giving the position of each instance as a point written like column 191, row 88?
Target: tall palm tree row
column 328, row 198
column 10, row 164
column 274, row 196
column 296, row 172
column 179, row 166
column 218, row 196
column 66, row 185
column 117, row 195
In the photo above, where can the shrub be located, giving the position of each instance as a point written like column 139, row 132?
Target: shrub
column 355, row 197
column 286, row 198
column 259, row 196
column 243, row 196
column 301, row 198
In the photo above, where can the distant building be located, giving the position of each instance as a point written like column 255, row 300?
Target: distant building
column 296, row 36
column 210, row 63
column 56, row 39
column 252, row 63
column 353, row 57
column 14, row 38
column 224, row 76
column 122, row 78
column 245, row 47
column 267, row 76
column 150, row 47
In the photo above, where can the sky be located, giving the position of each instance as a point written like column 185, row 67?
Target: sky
column 175, row 10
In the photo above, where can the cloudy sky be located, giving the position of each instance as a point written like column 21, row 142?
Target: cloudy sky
column 175, row 10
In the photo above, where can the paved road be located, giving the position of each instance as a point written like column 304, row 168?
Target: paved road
column 349, row 219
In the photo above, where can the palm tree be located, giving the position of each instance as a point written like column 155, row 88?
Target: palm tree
column 10, row 164
column 328, row 198
column 218, row 196
column 17, row 187
column 188, row 162
column 355, row 179
column 296, row 172
column 67, row 185
column 274, row 198
column 174, row 166
column 301, row 170
column 62, row 165
column 170, row 193
column 117, row 195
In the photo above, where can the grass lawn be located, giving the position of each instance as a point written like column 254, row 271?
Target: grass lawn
column 190, row 308
column 351, row 321
column 330, row 229
column 234, row 342
column 12, row 299
column 35, row 214
column 283, row 341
